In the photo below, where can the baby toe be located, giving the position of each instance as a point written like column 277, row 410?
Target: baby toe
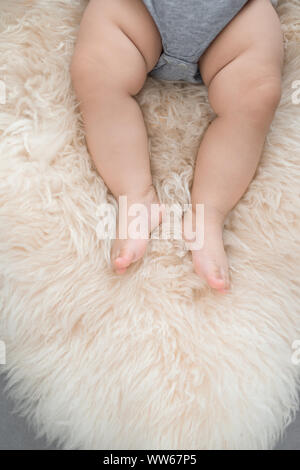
column 123, row 261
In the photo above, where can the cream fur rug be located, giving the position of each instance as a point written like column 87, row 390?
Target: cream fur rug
column 153, row 359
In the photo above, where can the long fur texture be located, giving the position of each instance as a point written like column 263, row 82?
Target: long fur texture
column 153, row 359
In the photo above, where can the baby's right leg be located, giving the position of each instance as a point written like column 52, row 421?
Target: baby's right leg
column 118, row 44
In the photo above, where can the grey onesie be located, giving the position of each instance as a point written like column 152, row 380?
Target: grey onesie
column 187, row 28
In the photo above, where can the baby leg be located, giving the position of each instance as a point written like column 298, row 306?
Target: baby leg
column 118, row 44
column 242, row 70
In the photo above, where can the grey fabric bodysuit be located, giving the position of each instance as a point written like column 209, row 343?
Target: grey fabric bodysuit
column 187, row 28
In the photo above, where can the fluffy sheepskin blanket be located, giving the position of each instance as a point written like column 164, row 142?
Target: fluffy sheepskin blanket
column 153, row 359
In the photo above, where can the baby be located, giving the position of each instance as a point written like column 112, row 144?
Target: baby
column 234, row 47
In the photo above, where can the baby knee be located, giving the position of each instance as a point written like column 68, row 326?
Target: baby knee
column 103, row 68
column 85, row 69
column 262, row 97
column 252, row 96
column 80, row 71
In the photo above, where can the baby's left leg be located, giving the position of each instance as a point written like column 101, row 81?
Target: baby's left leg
column 242, row 70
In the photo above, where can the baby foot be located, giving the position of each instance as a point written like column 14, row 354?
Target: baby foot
column 210, row 261
column 126, row 251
